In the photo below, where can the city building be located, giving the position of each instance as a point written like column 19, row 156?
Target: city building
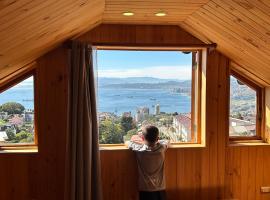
column 105, row 115
column 141, row 113
column 157, row 109
column 241, row 127
column 182, row 125
column 3, row 136
column 28, row 115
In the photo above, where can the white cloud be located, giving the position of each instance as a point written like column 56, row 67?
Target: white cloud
column 27, row 82
column 164, row 72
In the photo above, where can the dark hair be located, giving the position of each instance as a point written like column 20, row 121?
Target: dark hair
column 150, row 133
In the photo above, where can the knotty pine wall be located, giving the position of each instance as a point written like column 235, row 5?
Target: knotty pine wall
column 214, row 172
column 40, row 176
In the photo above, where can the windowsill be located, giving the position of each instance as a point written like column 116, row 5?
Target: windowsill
column 18, row 149
column 172, row 146
column 241, row 143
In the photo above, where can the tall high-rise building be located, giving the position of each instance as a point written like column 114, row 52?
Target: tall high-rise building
column 157, row 109
column 141, row 113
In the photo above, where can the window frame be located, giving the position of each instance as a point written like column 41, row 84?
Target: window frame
column 259, row 108
column 195, row 73
column 18, row 78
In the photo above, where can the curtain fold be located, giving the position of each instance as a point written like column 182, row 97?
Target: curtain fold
column 83, row 180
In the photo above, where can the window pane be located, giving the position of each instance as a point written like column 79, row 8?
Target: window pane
column 242, row 109
column 136, row 88
column 17, row 113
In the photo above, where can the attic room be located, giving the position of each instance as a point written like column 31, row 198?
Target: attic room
column 94, row 93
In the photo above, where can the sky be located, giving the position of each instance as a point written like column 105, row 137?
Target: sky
column 157, row 64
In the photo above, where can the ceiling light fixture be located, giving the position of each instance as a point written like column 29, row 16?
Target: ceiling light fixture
column 160, row 14
column 128, row 13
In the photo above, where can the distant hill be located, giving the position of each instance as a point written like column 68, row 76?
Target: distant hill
column 145, row 83
column 130, row 80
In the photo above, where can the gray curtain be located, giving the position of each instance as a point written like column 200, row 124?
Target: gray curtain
column 83, row 181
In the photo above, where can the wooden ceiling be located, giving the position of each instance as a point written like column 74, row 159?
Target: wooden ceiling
column 177, row 10
column 30, row 28
column 241, row 28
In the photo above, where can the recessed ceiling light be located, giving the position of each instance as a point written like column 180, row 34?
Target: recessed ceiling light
column 128, row 13
column 160, row 14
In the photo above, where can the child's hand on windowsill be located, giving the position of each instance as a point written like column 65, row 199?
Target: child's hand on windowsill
column 137, row 139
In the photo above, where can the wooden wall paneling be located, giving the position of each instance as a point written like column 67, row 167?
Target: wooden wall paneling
column 119, row 175
column 251, row 190
column 15, row 177
column 171, row 165
column 130, row 34
column 52, row 127
column 212, row 124
column 41, row 175
column 213, row 172
column 188, row 174
column 223, row 121
column 247, row 172
column 265, row 173
column 199, row 172
column 259, row 169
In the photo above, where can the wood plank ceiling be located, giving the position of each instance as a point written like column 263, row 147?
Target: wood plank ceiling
column 30, row 28
column 144, row 10
column 241, row 28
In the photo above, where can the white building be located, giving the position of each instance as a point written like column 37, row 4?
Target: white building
column 182, row 125
column 241, row 127
column 3, row 136
column 157, row 109
column 141, row 113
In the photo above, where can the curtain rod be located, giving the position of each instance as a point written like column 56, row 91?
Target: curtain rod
column 115, row 45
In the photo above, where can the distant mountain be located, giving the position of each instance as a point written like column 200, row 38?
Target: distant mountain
column 148, row 83
column 130, row 80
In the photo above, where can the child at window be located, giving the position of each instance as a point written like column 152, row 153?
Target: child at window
column 150, row 153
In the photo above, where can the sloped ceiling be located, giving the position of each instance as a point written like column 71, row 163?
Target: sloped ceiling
column 30, row 28
column 241, row 28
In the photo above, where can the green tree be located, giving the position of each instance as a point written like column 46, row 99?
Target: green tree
column 12, row 108
column 239, row 116
column 131, row 133
column 2, row 122
column 10, row 134
column 127, row 123
column 110, row 132
column 23, row 137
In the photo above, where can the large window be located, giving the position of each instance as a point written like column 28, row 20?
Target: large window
column 137, row 88
column 245, row 108
column 17, row 113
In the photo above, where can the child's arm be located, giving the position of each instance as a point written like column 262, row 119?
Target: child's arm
column 165, row 143
column 134, row 143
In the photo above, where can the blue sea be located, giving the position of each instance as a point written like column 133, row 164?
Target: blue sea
column 114, row 100
column 127, row 100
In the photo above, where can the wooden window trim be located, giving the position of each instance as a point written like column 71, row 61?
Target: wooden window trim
column 9, row 84
column 195, row 88
column 259, row 108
